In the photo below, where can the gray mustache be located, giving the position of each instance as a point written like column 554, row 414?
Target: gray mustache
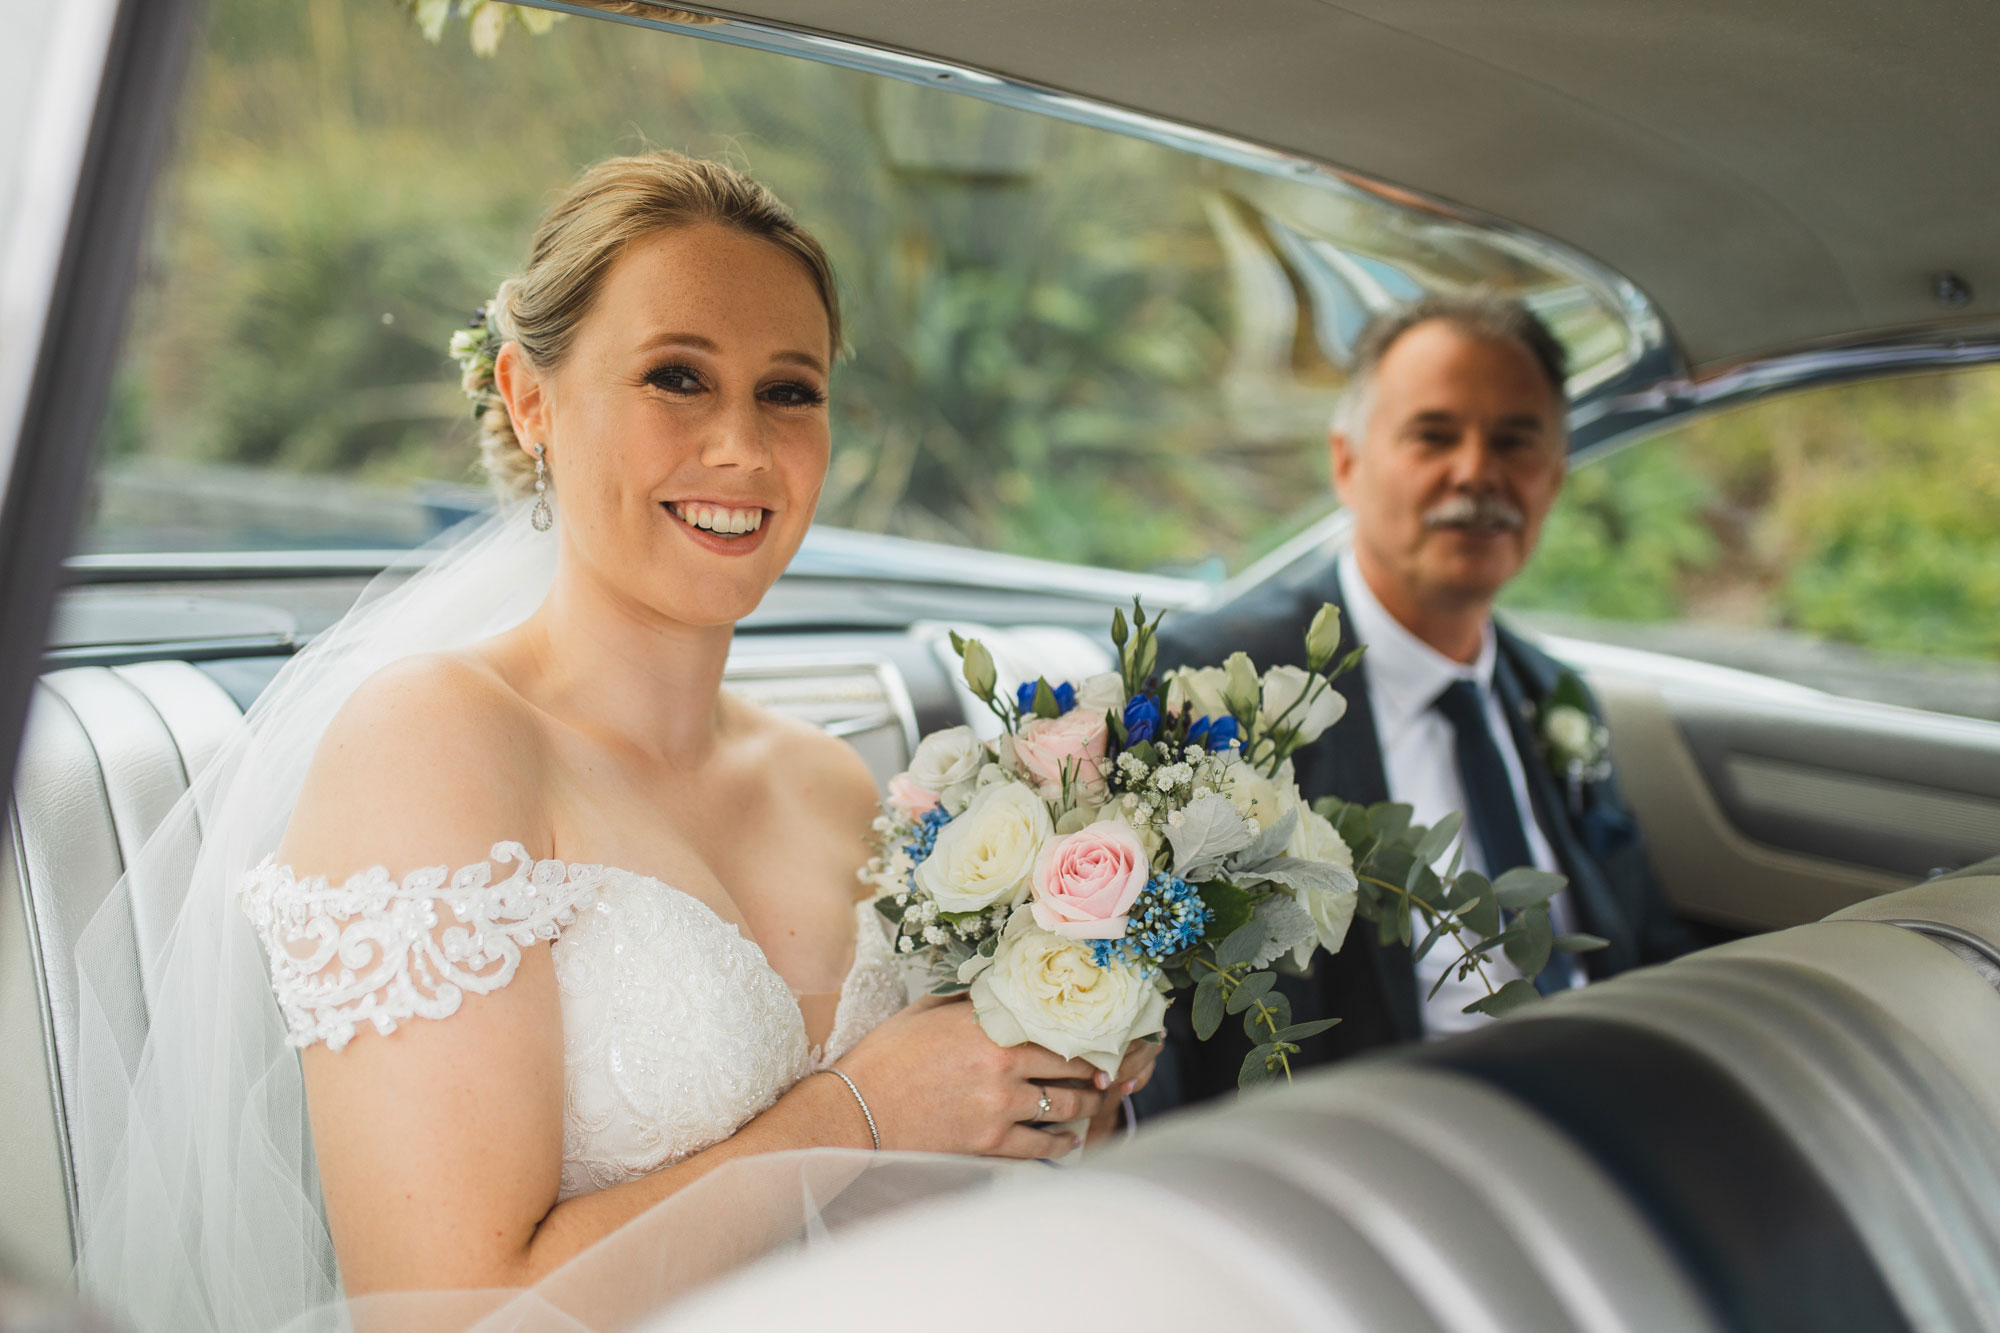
column 1487, row 512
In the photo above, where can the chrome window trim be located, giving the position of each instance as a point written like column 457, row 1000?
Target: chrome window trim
column 1612, row 419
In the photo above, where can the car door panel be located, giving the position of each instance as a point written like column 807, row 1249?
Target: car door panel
column 1766, row 804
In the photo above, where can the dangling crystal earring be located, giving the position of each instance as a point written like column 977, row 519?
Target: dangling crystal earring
column 543, row 516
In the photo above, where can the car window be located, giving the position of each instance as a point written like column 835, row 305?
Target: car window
column 1068, row 342
column 1844, row 537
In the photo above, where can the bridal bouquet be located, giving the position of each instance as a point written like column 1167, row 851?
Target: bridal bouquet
column 1123, row 838
column 1129, row 837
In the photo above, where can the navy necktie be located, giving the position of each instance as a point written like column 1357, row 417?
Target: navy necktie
column 1491, row 810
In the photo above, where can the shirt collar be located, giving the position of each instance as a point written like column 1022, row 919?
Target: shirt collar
column 1405, row 674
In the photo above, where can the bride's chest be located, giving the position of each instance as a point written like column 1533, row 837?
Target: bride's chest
column 773, row 868
column 675, row 1031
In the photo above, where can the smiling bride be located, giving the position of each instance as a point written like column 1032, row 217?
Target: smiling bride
column 556, row 926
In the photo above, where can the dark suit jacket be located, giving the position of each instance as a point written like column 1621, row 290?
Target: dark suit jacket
column 1372, row 989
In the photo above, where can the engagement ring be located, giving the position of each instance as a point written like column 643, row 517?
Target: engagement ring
column 1042, row 1111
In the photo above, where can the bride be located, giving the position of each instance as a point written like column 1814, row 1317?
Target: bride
column 557, row 925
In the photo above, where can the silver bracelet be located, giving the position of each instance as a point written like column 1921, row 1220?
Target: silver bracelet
column 860, row 1101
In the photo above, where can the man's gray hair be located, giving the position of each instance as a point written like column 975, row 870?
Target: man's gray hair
column 1482, row 315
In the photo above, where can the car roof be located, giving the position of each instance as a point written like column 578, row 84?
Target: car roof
column 1774, row 179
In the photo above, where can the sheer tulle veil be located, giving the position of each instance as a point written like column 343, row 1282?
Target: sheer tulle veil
column 198, row 1202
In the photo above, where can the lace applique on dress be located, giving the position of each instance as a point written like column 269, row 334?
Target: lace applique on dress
column 377, row 950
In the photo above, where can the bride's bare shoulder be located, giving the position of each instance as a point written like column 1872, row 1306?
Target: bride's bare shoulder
column 431, row 761
column 825, row 772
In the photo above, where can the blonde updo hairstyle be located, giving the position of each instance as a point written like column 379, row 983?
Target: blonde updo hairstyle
column 611, row 205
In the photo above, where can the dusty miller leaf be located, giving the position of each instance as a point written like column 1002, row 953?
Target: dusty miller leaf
column 1286, row 925
column 1209, row 832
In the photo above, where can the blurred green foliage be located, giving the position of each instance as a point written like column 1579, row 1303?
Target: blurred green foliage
column 1036, row 309
column 1866, row 514
column 1066, row 343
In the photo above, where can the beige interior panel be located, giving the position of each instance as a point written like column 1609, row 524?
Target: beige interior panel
column 1710, row 871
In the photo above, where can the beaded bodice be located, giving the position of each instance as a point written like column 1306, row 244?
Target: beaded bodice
column 676, row 1030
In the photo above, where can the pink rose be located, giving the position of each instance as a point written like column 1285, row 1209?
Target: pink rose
column 1076, row 742
column 907, row 798
column 1085, row 882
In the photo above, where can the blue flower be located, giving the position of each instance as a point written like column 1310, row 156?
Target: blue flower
column 1142, row 718
column 1024, row 697
column 1220, row 734
column 1167, row 919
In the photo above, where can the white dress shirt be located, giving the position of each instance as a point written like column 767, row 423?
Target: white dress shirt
column 1419, row 758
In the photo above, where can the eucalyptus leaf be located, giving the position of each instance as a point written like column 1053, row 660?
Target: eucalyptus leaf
column 1525, row 886
column 1277, row 1013
column 1388, row 820
column 1260, row 1066
column 1250, row 990
column 1506, row 1000
column 888, row 908
column 1300, row 1031
column 949, row 988
column 1241, row 944
column 1207, row 1014
column 1439, row 837
column 1578, row 942
column 1437, row 931
column 1529, row 949
column 1482, row 916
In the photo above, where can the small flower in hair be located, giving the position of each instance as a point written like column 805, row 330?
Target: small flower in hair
column 474, row 348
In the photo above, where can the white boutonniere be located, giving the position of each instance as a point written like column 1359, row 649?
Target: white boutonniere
column 1575, row 745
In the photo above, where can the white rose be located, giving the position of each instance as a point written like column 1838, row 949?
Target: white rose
column 987, row 855
column 1102, row 693
column 1257, row 797
column 1568, row 730
column 1316, row 840
column 948, row 762
column 1044, row 988
column 1332, row 911
column 1198, row 692
column 1284, row 686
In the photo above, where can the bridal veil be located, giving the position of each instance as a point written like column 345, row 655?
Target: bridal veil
column 197, row 1194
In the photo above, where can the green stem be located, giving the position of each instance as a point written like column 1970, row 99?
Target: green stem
column 1453, row 924
column 1265, row 1014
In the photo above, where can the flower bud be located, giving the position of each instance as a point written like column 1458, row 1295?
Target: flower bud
column 980, row 675
column 1323, row 637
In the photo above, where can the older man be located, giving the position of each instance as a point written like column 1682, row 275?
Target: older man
column 1449, row 448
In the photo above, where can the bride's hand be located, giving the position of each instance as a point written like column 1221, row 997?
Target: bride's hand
column 1134, row 1073
column 936, row 1083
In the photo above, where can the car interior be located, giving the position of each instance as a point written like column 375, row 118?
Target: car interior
column 1796, row 1128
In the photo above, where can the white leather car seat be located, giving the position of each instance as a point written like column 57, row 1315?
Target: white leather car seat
column 106, row 753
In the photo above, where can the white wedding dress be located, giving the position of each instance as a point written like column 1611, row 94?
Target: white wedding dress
column 676, row 1030
column 198, row 1198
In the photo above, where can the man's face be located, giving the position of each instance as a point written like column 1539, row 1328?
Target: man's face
column 1462, row 457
